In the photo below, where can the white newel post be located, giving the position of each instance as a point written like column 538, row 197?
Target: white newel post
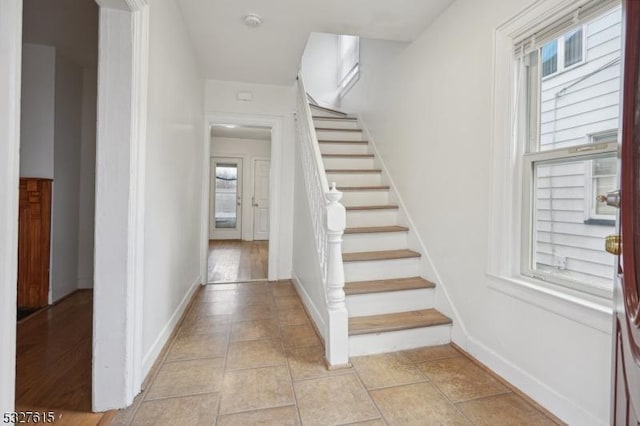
column 337, row 348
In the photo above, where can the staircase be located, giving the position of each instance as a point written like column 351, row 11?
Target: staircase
column 390, row 305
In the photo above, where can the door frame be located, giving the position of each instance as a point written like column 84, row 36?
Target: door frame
column 277, row 142
column 253, row 186
column 212, row 200
column 120, row 139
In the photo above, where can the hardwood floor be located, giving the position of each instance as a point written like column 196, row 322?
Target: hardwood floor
column 53, row 361
column 235, row 260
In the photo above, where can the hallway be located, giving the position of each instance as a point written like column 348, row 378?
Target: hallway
column 235, row 260
column 247, row 354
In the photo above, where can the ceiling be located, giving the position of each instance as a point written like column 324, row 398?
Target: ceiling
column 270, row 54
column 71, row 26
column 240, row 132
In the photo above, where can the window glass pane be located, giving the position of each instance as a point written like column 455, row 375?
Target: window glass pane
column 226, row 193
column 573, row 47
column 349, row 55
column 583, row 100
column 549, row 58
column 566, row 243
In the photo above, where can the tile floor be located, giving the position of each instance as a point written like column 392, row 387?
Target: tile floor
column 247, row 354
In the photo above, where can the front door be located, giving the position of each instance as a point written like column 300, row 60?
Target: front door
column 626, row 380
column 225, row 217
column 261, row 170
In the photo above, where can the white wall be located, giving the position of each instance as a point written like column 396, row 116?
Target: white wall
column 272, row 101
column 320, row 68
column 429, row 113
column 87, row 192
column 66, row 178
column 37, row 110
column 173, row 177
column 248, row 150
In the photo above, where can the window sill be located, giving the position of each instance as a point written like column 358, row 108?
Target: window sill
column 591, row 311
column 600, row 222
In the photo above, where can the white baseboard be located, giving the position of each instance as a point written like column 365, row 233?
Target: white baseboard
column 311, row 307
column 167, row 330
column 559, row 405
column 85, row 283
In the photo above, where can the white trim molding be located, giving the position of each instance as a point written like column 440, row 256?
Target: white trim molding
column 276, row 123
column 119, row 221
column 10, row 80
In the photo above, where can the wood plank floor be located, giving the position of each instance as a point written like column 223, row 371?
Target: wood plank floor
column 235, row 260
column 53, row 361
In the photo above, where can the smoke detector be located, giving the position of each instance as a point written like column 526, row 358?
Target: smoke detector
column 252, row 20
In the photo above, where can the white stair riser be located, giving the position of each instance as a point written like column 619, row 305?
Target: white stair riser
column 324, row 113
column 336, row 123
column 381, row 269
column 382, row 217
column 374, row 241
column 348, row 163
column 333, row 135
column 392, row 341
column 355, row 179
column 344, row 148
column 389, row 302
column 364, row 198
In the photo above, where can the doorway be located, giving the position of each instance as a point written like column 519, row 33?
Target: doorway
column 239, row 188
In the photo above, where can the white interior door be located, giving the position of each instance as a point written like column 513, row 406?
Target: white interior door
column 225, row 214
column 260, row 200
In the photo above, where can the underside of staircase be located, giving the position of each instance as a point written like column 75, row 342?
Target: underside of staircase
column 390, row 305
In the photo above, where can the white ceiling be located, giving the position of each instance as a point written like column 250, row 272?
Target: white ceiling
column 241, row 132
column 270, row 54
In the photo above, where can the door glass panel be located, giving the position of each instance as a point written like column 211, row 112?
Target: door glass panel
column 226, row 209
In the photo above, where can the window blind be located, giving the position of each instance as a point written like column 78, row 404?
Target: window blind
column 559, row 22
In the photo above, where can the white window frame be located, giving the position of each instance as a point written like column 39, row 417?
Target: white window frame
column 590, row 196
column 561, row 42
column 508, row 147
column 348, row 80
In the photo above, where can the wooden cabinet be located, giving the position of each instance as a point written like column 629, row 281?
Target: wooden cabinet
column 34, row 241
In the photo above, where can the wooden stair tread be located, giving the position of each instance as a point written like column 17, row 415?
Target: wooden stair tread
column 363, row 188
column 396, row 321
column 379, row 286
column 327, row 109
column 343, row 142
column 379, row 255
column 353, row 170
column 348, row 155
column 374, row 207
column 319, row 117
column 333, row 129
column 375, row 229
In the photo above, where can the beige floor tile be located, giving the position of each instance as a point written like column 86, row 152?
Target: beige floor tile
column 334, row 400
column 309, row 362
column 198, row 346
column 252, row 330
column 244, row 390
column 255, row 353
column 181, row 378
column 460, row 379
column 205, row 325
column 376, row 422
column 294, row 316
column 280, row 416
column 214, row 308
column 217, row 296
column 417, row 404
column 431, row 353
column 384, row 370
column 254, row 312
column 190, row 410
column 299, row 336
column 288, row 302
column 503, row 410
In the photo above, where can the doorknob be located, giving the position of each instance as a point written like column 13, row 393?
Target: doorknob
column 612, row 198
column 613, row 244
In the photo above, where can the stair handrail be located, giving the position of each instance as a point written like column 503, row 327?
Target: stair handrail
column 329, row 222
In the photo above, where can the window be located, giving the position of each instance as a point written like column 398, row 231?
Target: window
column 569, row 133
column 563, row 52
column 348, row 62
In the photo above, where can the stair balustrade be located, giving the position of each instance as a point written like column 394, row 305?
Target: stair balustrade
column 329, row 220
